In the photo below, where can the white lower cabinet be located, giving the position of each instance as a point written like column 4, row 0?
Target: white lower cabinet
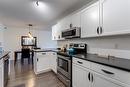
column 82, row 76
column 42, row 62
column 53, row 61
column 1, row 74
column 99, row 81
column 45, row 61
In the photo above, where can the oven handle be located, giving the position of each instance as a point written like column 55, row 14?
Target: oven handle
column 65, row 58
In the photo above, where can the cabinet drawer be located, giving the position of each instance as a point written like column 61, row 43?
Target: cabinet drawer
column 42, row 53
column 120, row 75
column 52, row 53
column 81, row 62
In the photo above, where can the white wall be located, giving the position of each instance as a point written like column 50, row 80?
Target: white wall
column 118, row 46
column 12, row 39
column 1, row 35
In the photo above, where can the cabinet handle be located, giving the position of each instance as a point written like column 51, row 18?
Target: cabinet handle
column 57, row 60
column 101, row 30
column 92, row 77
column 59, row 36
column 97, row 30
column 71, row 25
column 43, row 53
column 89, row 76
column 37, row 59
column 107, row 72
column 80, row 62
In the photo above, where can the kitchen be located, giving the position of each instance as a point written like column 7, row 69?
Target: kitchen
column 86, row 47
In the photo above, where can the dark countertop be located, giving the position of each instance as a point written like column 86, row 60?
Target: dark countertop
column 119, row 63
column 3, row 53
column 46, row 50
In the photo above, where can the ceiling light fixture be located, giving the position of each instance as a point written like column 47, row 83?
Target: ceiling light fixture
column 29, row 33
column 37, row 2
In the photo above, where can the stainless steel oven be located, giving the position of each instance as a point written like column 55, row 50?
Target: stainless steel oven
column 64, row 62
column 64, row 65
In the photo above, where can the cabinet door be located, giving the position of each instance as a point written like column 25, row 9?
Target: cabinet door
column 43, row 62
column 1, row 78
column 1, row 74
column 115, row 16
column 54, row 32
column 67, row 22
column 80, row 76
column 59, row 30
column 90, row 21
column 76, row 18
column 99, row 81
column 53, row 61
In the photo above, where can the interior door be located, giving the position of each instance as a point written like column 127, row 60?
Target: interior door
column 115, row 16
column 99, row 81
column 90, row 21
column 80, row 77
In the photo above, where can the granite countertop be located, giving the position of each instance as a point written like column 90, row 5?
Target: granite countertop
column 119, row 63
column 3, row 53
column 46, row 50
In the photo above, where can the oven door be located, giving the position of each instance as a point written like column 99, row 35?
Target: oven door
column 64, row 66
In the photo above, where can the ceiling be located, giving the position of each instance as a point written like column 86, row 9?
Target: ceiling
column 20, row 13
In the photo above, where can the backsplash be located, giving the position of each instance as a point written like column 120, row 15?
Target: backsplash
column 118, row 46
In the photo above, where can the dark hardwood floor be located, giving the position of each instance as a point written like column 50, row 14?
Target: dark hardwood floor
column 23, row 76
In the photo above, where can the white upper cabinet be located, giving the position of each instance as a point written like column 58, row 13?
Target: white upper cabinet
column 103, row 18
column 56, row 32
column 109, row 17
column 76, row 20
column 115, row 16
column 90, row 21
column 65, row 23
column 73, row 19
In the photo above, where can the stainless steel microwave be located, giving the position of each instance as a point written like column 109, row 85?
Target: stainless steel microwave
column 72, row 33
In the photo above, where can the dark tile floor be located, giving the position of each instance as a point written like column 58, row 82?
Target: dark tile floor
column 23, row 76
